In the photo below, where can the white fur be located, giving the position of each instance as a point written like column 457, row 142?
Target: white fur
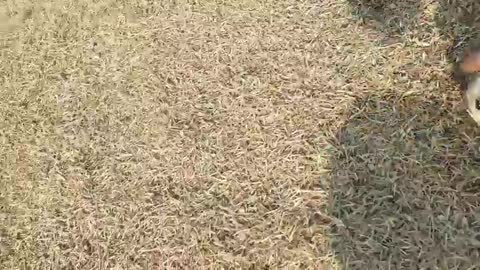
column 472, row 94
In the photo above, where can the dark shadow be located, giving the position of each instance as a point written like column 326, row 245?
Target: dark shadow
column 406, row 176
column 406, row 186
column 457, row 21
column 394, row 18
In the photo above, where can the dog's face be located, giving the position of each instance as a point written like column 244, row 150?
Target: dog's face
column 471, row 62
column 472, row 99
column 470, row 68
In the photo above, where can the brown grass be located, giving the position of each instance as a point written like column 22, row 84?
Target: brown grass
column 235, row 135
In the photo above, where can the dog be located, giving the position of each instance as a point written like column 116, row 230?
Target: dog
column 470, row 67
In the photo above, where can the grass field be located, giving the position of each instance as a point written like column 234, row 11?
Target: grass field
column 236, row 134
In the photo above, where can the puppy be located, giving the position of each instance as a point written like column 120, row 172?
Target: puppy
column 471, row 67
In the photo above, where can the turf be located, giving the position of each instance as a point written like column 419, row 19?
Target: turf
column 236, row 135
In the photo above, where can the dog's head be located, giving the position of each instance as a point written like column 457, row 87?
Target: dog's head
column 471, row 62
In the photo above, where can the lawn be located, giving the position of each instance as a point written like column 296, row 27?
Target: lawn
column 237, row 134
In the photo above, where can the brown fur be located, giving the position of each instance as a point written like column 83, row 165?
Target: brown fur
column 471, row 62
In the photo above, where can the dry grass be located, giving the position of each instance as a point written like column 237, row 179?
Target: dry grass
column 235, row 135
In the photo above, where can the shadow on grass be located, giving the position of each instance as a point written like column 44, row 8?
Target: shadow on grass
column 406, row 184
column 406, row 176
column 389, row 16
column 457, row 21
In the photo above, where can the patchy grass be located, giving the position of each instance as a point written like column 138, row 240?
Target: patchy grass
column 233, row 134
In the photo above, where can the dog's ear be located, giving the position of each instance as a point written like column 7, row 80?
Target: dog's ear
column 471, row 62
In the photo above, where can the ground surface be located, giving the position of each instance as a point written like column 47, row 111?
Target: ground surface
column 236, row 135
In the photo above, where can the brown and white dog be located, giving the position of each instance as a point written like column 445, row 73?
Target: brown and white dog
column 471, row 66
